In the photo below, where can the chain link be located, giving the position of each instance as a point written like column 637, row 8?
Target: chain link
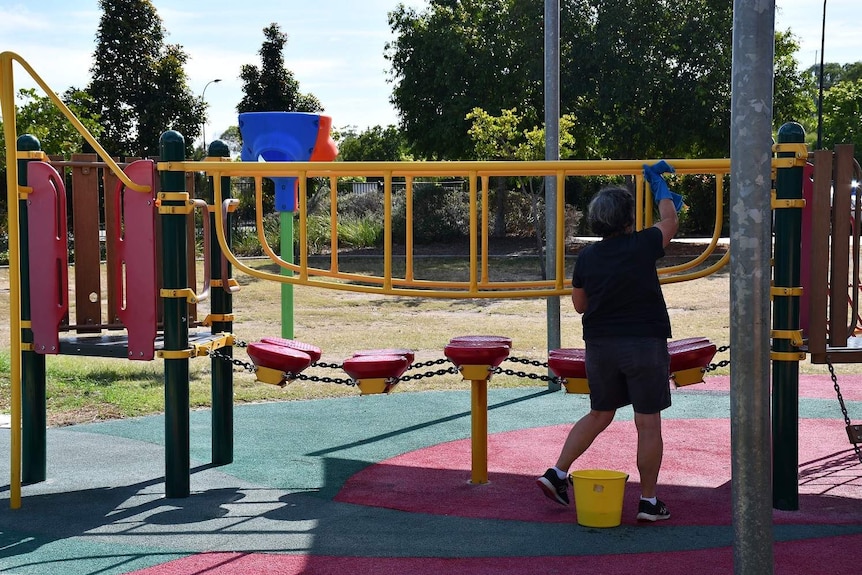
column 722, row 363
column 220, row 355
column 418, row 376
column 847, row 421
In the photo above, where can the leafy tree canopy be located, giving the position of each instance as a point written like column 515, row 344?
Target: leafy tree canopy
column 37, row 115
column 842, row 115
column 272, row 87
column 646, row 78
column 138, row 84
column 377, row 144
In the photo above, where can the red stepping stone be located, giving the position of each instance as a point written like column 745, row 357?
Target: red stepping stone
column 278, row 357
column 483, row 338
column 477, row 352
column 408, row 353
column 313, row 351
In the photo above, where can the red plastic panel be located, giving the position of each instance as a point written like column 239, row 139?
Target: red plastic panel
column 476, row 352
column 376, row 366
column 569, row 364
column 48, row 265
column 685, row 343
column 692, row 354
column 312, row 351
column 483, row 338
column 568, row 352
column 408, row 353
column 278, row 357
column 135, row 236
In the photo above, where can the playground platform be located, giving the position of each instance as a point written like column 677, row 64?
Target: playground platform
column 380, row 484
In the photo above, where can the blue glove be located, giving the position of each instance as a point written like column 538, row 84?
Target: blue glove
column 652, row 174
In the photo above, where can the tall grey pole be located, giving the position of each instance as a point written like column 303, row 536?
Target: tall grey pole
column 552, row 152
column 750, row 253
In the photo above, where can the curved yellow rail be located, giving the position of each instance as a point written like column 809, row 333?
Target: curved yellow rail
column 477, row 174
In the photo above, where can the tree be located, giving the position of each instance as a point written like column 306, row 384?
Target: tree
column 459, row 55
column 37, row 115
column 648, row 78
column 500, row 138
column 233, row 139
column 272, row 87
column 377, row 144
column 794, row 91
column 842, row 111
column 138, row 84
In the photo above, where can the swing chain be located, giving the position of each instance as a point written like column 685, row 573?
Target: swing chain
column 418, row 376
column 428, row 363
column 220, row 355
column 325, row 378
column 847, row 421
column 722, row 363
column 529, row 375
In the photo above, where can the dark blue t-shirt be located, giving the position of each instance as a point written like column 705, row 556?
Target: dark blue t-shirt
column 624, row 296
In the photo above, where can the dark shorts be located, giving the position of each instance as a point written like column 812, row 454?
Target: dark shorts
column 628, row 370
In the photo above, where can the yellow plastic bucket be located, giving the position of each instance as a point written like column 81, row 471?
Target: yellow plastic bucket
column 599, row 496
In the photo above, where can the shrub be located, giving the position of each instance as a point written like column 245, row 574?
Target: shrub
column 439, row 214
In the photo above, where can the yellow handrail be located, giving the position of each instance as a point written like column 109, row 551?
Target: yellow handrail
column 477, row 174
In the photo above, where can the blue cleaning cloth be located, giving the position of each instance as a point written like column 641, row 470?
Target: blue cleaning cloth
column 660, row 191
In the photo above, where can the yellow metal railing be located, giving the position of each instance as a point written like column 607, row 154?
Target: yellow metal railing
column 477, row 175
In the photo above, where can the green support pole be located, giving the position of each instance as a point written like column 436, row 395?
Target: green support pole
column 34, row 423
column 176, row 321
column 221, row 305
column 287, row 245
column 785, row 316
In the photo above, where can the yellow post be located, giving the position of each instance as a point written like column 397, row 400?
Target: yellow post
column 7, row 106
column 479, row 431
column 478, row 376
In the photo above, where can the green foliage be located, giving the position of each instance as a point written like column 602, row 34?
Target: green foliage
column 439, row 215
column 455, row 56
column 627, row 67
column 377, row 144
column 138, row 84
column 38, row 116
column 354, row 232
column 233, row 139
column 794, row 91
column 272, row 86
column 244, row 240
column 842, row 115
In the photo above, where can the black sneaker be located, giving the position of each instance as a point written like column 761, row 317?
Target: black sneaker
column 553, row 487
column 649, row 512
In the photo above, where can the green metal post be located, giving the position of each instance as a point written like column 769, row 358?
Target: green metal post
column 176, row 321
column 287, row 245
column 34, row 421
column 785, row 316
column 221, row 305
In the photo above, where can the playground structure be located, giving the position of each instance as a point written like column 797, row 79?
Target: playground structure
column 159, row 190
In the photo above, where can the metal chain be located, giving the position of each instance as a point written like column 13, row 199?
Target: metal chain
column 325, row 379
column 529, row 375
column 526, row 361
column 220, row 355
column 419, row 376
column 847, row 421
column 429, row 363
column 722, row 363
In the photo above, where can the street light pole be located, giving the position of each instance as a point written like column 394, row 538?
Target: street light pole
column 204, row 125
column 820, row 94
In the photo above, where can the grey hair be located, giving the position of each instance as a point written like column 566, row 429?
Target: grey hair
column 611, row 211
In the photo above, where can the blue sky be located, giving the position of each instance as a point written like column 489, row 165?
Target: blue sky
column 335, row 47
